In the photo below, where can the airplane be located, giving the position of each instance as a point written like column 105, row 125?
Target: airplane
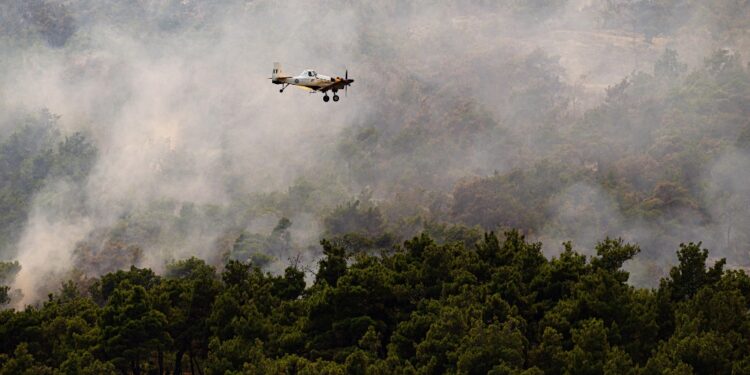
column 311, row 81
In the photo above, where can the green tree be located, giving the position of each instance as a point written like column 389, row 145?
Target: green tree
column 692, row 274
column 131, row 329
column 103, row 288
column 590, row 348
column 333, row 265
column 549, row 354
column 22, row 363
column 488, row 346
column 187, row 297
column 290, row 285
column 436, row 353
column 84, row 363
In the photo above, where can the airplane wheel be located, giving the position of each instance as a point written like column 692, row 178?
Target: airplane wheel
column 335, row 98
column 325, row 98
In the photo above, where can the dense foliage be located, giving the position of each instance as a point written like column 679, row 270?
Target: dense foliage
column 498, row 307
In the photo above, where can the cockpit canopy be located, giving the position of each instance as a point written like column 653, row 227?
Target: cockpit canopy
column 309, row 73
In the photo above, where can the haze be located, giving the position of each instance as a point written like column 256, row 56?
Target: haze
column 552, row 118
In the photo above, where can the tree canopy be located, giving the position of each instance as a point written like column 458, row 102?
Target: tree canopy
column 496, row 307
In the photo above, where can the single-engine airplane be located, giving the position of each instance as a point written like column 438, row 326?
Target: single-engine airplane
column 311, row 81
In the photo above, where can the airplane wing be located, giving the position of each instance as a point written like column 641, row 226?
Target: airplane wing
column 338, row 84
column 305, row 88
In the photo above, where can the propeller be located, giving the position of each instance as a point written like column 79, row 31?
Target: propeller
column 346, row 78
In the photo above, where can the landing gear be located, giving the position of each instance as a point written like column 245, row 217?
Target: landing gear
column 283, row 86
column 335, row 98
column 325, row 98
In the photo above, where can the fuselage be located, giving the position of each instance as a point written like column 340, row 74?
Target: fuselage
column 308, row 78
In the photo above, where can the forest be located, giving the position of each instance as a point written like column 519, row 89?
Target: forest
column 516, row 187
column 499, row 307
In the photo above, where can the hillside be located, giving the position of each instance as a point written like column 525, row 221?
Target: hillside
column 145, row 157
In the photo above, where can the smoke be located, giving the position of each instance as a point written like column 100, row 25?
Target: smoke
column 728, row 190
column 195, row 144
column 46, row 255
column 581, row 213
column 584, row 214
column 183, row 116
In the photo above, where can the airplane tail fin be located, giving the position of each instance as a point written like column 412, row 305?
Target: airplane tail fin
column 276, row 71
